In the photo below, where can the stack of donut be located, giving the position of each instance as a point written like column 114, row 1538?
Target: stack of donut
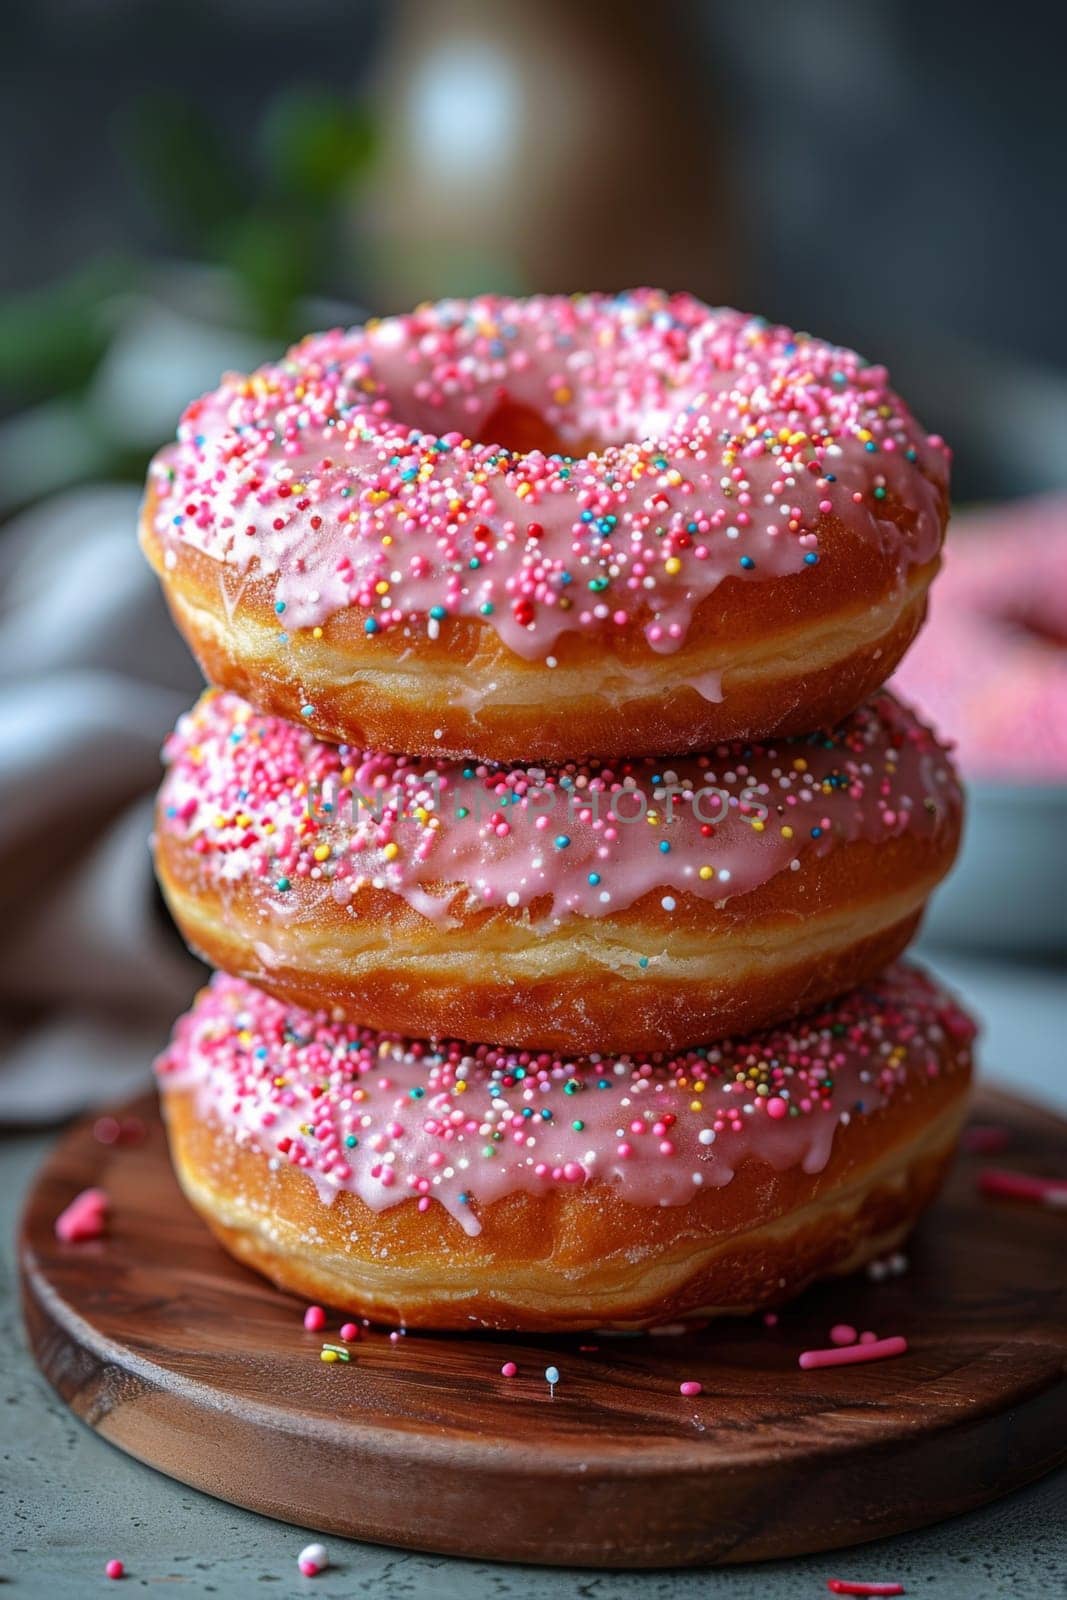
column 548, row 823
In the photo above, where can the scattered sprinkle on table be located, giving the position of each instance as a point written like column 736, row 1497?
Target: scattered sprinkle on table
column 985, row 1139
column 509, row 1369
column 552, row 1378
column 114, row 1569
column 690, row 1387
column 314, row 1319
column 893, row 1266
column 85, row 1217
column 312, row 1560
column 843, row 1333
column 109, row 1130
column 349, row 1331
column 842, row 1586
column 1004, row 1184
column 872, row 1350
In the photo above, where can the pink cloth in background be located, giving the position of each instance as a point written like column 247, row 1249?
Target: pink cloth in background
column 92, row 676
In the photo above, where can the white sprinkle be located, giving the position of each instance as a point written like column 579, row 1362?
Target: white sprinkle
column 312, row 1559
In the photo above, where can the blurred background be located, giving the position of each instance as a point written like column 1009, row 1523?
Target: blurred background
column 188, row 186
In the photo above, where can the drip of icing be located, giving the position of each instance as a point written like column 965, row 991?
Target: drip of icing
column 351, row 473
column 708, row 686
column 391, row 1119
column 297, row 822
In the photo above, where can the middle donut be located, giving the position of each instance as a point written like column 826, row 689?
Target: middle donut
column 640, row 905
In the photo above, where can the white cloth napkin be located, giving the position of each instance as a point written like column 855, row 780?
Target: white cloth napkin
column 92, row 677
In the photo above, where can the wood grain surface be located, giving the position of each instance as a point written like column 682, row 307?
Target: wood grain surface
column 201, row 1369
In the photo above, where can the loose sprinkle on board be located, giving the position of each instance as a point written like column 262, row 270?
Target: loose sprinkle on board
column 1001, row 1184
column 984, row 1139
column 85, row 1218
column 872, row 1350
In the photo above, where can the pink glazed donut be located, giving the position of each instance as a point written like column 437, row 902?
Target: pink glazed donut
column 992, row 662
column 453, row 1186
column 551, row 528
column 639, row 905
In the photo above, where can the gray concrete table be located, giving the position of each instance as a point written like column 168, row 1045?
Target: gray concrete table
column 70, row 1502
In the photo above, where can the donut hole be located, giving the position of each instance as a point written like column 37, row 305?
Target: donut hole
column 521, row 430
column 580, row 400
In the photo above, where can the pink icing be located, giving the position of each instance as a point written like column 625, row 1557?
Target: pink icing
column 362, row 472
column 391, row 1119
column 992, row 661
column 298, row 821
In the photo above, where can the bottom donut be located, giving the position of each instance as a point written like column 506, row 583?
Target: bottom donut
column 452, row 1186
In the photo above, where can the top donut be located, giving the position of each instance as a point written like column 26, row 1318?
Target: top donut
column 543, row 529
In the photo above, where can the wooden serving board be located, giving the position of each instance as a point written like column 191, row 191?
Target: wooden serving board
column 200, row 1368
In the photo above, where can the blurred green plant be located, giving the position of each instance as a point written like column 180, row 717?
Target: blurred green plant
column 274, row 217
column 52, row 338
column 274, row 220
column 273, row 213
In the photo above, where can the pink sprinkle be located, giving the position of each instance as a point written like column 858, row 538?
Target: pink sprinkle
column 840, row 1586
column 349, row 1331
column 85, row 1217
column 777, row 1107
column 508, row 1370
column 868, row 1338
column 114, row 1569
column 314, row 1319
column 109, row 1130
column 843, row 1333
column 770, row 1319
column 876, row 1350
column 690, row 1387
column 1003, row 1184
column 985, row 1139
